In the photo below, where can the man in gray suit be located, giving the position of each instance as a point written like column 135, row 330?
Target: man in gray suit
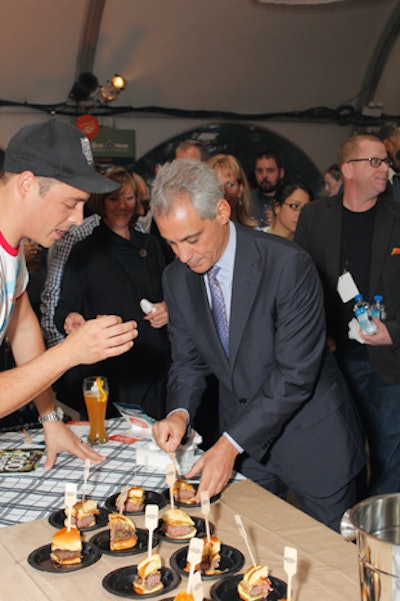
column 286, row 417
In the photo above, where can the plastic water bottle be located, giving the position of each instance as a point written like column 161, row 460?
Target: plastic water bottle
column 360, row 309
column 378, row 308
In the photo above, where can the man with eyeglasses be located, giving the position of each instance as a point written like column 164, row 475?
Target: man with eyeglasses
column 354, row 238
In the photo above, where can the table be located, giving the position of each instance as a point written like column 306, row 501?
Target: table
column 30, row 496
column 328, row 566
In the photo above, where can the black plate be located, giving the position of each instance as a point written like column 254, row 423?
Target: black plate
column 199, row 524
column 183, row 504
column 102, row 540
column 151, row 498
column 57, row 518
column 232, row 561
column 226, row 589
column 40, row 559
column 119, row 582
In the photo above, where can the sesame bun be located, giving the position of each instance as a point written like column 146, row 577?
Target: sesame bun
column 177, row 516
column 66, row 546
column 178, row 524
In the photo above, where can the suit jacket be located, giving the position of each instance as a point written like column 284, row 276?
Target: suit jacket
column 319, row 232
column 280, row 392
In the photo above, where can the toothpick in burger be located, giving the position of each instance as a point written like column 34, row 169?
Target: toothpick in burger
column 148, row 579
column 83, row 514
column 255, row 584
column 184, row 492
column 66, row 547
column 122, row 532
column 134, row 501
column 177, row 524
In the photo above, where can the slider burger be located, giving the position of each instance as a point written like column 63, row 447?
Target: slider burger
column 148, row 579
column 178, row 524
column 66, row 547
column 134, row 500
column 255, row 584
column 184, row 492
column 83, row 514
column 122, row 532
column 210, row 558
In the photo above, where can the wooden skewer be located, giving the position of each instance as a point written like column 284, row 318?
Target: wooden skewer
column 151, row 523
column 243, row 534
column 290, row 567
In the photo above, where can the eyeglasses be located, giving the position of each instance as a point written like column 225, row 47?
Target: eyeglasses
column 295, row 206
column 375, row 162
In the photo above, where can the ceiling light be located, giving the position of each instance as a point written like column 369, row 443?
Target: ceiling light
column 111, row 89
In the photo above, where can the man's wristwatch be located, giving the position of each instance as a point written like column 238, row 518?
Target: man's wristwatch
column 55, row 416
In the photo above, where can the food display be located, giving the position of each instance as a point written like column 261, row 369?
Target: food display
column 255, row 584
column 122, row 532
column 134, row 501
column 177, row 524
column 83, row 514
column 66, row 546
column 148, row 578
column 184, row 492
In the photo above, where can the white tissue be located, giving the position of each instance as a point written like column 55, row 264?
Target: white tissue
column 354, row 331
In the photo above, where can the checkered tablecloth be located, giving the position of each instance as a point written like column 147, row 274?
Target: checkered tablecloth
column 37, row 494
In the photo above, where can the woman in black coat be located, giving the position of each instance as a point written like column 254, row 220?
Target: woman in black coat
column 109, row 273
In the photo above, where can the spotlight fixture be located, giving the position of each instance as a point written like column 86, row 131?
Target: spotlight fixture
column 111, row 89
column 84, row 86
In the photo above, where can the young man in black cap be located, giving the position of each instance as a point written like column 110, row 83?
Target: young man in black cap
column 47, row 176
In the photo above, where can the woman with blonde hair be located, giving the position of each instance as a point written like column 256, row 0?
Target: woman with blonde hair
column 235, row 187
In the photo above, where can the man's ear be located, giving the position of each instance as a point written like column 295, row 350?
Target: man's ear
column 25, row 181
column 347, row 170
column 223, row 210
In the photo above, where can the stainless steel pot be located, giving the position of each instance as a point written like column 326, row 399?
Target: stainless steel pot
column 375, row 524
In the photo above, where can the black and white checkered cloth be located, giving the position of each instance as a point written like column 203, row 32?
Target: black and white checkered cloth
column 37, row 494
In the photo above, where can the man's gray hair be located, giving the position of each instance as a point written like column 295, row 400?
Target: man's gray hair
column 186, row 178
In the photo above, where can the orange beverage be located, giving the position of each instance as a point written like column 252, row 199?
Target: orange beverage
column 95, row 392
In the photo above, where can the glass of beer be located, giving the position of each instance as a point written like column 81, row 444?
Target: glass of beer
column 95, row 393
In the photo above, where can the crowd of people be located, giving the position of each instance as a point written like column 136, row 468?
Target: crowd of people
column 251, row 328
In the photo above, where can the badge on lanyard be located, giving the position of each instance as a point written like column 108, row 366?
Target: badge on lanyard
column 346, row 287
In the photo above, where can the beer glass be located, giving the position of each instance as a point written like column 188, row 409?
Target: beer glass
column 95, row 393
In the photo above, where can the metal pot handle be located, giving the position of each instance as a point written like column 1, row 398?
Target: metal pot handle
column 347, row 529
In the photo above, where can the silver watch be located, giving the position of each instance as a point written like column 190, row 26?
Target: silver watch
column 55, row 416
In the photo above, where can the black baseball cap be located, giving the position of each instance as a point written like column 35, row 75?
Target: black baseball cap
column 58, row 150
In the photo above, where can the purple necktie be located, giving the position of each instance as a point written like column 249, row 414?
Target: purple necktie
column 218, row 308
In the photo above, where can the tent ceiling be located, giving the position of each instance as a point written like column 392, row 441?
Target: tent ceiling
column 241, row 56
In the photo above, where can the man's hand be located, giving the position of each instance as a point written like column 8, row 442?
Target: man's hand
column 159, row 317
column 98, row 339
column 216, row 465
column 169, row 432
column 72, row 321
column 60, row 438
column 381, row 336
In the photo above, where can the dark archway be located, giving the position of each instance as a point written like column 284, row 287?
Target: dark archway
column 244, row 142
